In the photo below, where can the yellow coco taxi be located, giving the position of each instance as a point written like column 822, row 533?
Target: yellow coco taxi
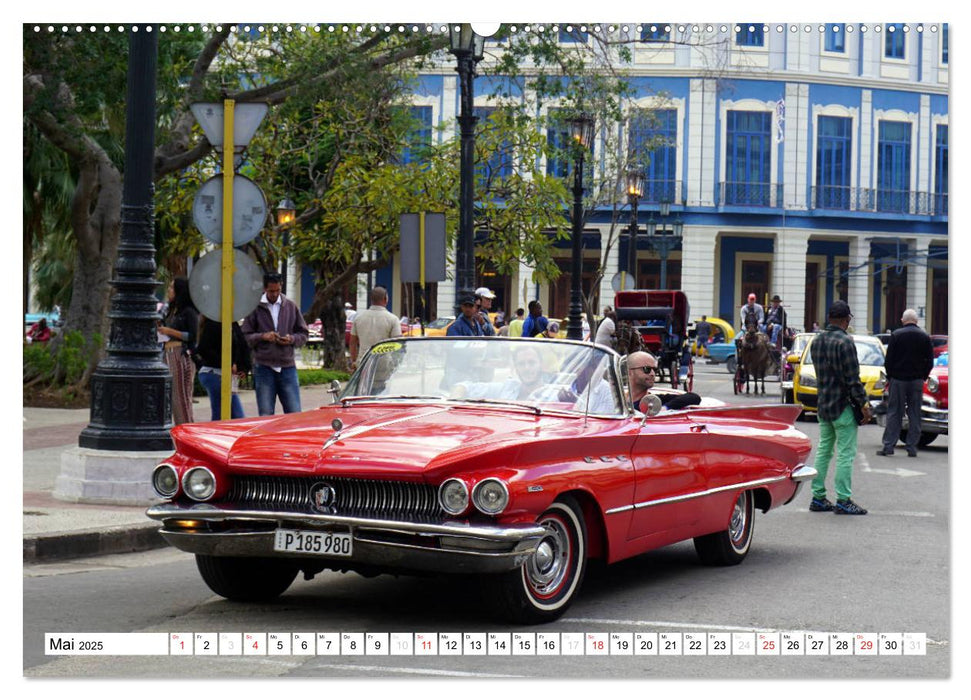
column 869, row 352
column 718, row 328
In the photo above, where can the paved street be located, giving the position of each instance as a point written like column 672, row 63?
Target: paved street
column 884, row 572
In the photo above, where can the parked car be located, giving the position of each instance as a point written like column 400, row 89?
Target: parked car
column 940, row 344
column 439, row 457
column 721, row 332
column 791, row 365
column 870, row 354
column 723, row 352
column 933, row 410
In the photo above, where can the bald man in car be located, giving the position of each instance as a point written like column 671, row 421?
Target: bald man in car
column 642, row 373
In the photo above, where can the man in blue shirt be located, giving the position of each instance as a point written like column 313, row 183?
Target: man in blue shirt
column 468, row 321
column 536, row 322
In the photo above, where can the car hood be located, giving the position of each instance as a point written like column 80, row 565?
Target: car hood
column 379, row 440
column 868, row 373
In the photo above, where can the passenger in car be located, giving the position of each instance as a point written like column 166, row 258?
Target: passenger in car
column 529, row 378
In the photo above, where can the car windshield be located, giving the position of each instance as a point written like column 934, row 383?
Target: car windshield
column 868, row 352
column 538, row 374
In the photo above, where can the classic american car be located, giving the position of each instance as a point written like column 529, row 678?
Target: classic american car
column 513, row 459
column 933, row 410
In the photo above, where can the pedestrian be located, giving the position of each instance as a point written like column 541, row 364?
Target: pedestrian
column 39, row 332
column 349, row 312
column 607, row 330
column 373, row 325
column 536, row 322
column 815, row 328
column 833, row 354
column 273, row 330
column 516, row 325
column 469, row 321
column 483, row 305
column 179, row 327
column 752, row 310
column 702, row 332
column 209, row 351
column 551, row 330
column 775, row 320
column 910, row 357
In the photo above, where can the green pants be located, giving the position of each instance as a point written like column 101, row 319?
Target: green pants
column 842, row 433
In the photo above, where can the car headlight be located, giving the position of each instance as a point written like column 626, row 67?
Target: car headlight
column 453, row 496
column 165, row 480
column 199, row 484
column 881, row 383
column 933, row 385
column 807, row 379
column 490, row 496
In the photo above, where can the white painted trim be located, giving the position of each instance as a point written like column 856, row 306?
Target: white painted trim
column 747, row 105
column 835, row 110
column 897, row 115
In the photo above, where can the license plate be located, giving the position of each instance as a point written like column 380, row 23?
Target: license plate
column 330, row 544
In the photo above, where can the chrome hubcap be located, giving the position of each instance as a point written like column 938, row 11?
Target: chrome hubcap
column 737, row 527
column 549, row 564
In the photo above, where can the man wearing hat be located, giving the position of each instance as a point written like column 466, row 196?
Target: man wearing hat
column 775, row 320
column 838, row 378
column 468, row 321
column 483, row 304
column 752, row 308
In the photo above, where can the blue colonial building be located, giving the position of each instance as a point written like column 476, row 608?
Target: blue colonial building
column 808, row 161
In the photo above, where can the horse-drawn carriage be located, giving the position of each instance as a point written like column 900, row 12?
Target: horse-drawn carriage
column 757, row 357
column 657, row 321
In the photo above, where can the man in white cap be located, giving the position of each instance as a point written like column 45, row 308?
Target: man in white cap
column 349, row 311
column 483, row 303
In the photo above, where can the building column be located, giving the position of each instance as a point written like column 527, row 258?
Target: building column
column 917, row 272
column 611, row 265
column 859, row 284
column 789, row 274
column 698, row 270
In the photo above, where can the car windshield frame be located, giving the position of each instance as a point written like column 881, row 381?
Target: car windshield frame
column 538, row 375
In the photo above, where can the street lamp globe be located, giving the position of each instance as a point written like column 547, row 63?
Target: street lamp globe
column 635, row 184
column 581, row 129
column 286, row 212
column 464, row 41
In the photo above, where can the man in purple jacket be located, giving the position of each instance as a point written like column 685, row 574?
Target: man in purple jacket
column 273, row 330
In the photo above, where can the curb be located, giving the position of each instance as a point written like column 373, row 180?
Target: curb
column 88, row 543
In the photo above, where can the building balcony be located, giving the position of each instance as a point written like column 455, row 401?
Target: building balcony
column 886, row 201
column 750, row 194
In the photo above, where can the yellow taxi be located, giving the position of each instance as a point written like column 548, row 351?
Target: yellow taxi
column 791, row 365
column 869, row 352
column 718, row 326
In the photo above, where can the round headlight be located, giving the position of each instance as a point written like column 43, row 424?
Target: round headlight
column 165, row 480
column 199, row 484
column 933, row 385
column 490, row 496
column 453, row 495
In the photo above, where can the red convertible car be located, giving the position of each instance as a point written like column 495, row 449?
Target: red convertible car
column 517, row 460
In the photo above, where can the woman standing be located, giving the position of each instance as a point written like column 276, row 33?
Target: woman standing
column 179, row 325
column 209, row 351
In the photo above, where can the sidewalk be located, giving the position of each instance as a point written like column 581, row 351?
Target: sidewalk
column 54, row 529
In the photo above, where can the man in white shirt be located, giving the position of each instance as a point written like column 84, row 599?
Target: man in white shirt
column 373, row 325
column 607, row 329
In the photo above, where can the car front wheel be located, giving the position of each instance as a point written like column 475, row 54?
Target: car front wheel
column 246, row 579
column 545, row 586
column 729, row 547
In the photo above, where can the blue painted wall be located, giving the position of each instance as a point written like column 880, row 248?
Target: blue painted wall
column 730, row 245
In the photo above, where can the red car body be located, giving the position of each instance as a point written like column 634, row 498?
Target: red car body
column 388, row 472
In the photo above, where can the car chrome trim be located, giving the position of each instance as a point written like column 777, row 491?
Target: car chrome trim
column 698, row 494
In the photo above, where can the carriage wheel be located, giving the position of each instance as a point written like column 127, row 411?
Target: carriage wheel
column 674, row 374
column 689, row 382
column 738, row 381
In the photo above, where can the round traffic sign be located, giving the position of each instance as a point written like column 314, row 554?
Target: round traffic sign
column 205, row 285
column 249, row 210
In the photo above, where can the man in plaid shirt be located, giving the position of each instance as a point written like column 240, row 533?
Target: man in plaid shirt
column 838, row 379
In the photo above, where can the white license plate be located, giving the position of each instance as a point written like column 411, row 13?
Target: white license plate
column 330, row 544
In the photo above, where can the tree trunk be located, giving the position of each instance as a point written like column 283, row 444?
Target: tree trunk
column 333, row 324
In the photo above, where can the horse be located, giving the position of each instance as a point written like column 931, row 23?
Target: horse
column 755, row 357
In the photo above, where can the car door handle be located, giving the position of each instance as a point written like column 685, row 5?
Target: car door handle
column 698, row 428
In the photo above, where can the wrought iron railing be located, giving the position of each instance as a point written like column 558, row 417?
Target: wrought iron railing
column 751, row 194
column 890, row 201
column 657, row 191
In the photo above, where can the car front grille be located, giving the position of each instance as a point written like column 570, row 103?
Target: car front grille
column 351, row 497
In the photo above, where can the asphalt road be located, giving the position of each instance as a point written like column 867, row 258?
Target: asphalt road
column 887, row 572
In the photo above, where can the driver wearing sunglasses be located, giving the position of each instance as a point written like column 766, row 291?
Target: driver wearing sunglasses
column 642, row 373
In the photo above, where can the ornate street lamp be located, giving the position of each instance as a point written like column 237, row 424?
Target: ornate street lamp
column 286, row 214
column 635, row 190
column 467, row 47
column 581, row 133
column 663, row 242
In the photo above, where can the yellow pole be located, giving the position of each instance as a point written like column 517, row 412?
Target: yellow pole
column 226, row 315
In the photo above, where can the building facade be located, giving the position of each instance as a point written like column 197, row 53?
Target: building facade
column 808, row 161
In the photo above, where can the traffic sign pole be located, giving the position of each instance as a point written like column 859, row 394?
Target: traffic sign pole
column 225, row 405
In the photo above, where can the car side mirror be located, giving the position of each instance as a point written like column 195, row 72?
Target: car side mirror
column 793, row 358
column 335, row 389
column 651, row 405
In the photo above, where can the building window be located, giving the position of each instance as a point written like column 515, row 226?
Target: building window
column 655, row 31
column 653, row 146
column 748, row 158
column 835, row 38
column 893, row 46
column 893, row 167
column 940, row 171
column 498, row 164
column 559, row 157
column 749, row 34
column 572, row 35
column 419, row 138
column 834, row 146
column 944, row 44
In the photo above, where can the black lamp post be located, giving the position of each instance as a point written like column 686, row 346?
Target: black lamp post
column 635, row 189
column 467, row 47
column 131, row 389
column 662, row 241
column 581, row 134
column 286, row 213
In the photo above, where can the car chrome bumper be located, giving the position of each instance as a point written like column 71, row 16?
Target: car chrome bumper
column 440, row 547
column 932, row 420
column 802, row 473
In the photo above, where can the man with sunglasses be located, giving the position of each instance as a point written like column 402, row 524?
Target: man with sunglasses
column 642, row 373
